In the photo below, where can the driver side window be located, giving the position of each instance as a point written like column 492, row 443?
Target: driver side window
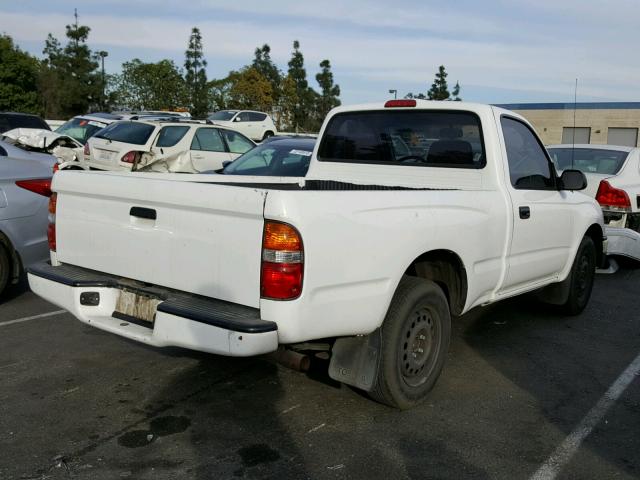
column 529, row 167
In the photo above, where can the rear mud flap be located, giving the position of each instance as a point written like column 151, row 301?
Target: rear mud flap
column 354, row 360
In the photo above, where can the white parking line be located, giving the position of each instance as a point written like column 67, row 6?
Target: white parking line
column 550, row 469
column 34, row 317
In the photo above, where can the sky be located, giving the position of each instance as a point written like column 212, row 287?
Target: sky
column 501, row 51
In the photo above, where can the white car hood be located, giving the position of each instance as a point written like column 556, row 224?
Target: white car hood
column 40, row 138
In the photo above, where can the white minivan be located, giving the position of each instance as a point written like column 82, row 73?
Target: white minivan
column 255, row 125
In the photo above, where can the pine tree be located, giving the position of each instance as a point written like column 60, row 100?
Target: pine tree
column 196, row 76
column 262, row 63
column 69, row 79
column 439, row 89
column 329, row 94
column 298, row 74
column 456, row 93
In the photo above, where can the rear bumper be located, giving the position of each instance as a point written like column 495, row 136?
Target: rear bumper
column 181, row 320
column 623, row 241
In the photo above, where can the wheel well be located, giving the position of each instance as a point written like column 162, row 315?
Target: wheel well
column 447, row 270
column 595, row 232
column 14, row 258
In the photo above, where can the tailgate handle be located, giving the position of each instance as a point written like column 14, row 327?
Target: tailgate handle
column 142, row 212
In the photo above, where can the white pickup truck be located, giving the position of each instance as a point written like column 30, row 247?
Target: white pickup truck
column 411, row 212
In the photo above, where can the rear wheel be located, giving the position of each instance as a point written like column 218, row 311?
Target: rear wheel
column 415, row 340
column 267, row 134
column 5, row 268
column 581, row 278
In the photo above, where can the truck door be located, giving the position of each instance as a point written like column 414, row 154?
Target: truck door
column 542, row 215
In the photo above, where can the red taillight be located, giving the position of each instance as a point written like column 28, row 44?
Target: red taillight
column 608, row 196
column 282, row 262
column 56, row 167
column 130, row 157
column 51, row 236
column 400, row 103
column 51, row 229
column 41, row 186
column 86, row 150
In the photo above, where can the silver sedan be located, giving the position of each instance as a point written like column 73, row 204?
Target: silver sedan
column 25, row 181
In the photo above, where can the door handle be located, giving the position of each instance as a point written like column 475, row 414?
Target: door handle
column 525, row 212
column 141, row 212
column 198, row 157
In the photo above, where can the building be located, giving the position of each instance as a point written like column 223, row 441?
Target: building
column 613, row 123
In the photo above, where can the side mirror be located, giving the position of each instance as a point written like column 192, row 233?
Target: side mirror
column 225, row 163
column 237, row 119
column 573, row 180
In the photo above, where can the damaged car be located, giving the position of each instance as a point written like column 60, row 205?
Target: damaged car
column 66, row 142
column 159, row 146
column 613, row 178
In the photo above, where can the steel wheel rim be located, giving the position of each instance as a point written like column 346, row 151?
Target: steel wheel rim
column 419, row 346
column 584, row 278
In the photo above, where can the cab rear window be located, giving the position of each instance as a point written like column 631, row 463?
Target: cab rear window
column 405, row 138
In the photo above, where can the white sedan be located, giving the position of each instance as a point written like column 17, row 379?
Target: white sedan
column 613, row 178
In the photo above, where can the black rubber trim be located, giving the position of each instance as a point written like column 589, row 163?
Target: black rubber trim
column 142, row 212
column 321, row 185
column 218, row 313
column 72, row 276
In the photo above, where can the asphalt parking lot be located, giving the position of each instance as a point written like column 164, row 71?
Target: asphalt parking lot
column 79, row 403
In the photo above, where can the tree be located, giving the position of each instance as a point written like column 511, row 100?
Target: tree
column 456, row 93
column 298, row 75
column 69, row 79
column 18, row 79
column 250, row 90
column 196, row 75
column 330, row 93
column 149, row 86
column 287, row 103
column 262, row 63
column 439, row 89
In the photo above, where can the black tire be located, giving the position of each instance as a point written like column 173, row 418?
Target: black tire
column 267, row 134
column 581, row 278
column 5, row 268
column 415, row 338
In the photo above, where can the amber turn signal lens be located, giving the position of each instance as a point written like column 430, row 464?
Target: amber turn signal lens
column 280, row 236
column 53, row 200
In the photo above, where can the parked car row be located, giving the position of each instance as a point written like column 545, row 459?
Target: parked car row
column 613, row 179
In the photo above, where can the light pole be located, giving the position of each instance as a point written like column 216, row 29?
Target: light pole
column 395, row 93
column 103, row 54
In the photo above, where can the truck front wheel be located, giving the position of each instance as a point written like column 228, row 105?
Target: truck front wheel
column 415, row 339
column 581, row 277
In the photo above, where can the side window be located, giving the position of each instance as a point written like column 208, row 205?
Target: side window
column 169, row 136
column 244, row 117
column 207, row 139
column 237, row 143
column 529, row 167
column 257, row 117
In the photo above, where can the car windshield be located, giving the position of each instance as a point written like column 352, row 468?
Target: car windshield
column 80, row 129
column 588, row 160
column 127, row 132
column 223, row 115
column 279, row 159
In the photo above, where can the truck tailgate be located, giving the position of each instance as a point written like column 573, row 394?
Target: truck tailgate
column 205, row 239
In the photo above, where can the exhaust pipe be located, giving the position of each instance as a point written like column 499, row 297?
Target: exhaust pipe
column 290, row 359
